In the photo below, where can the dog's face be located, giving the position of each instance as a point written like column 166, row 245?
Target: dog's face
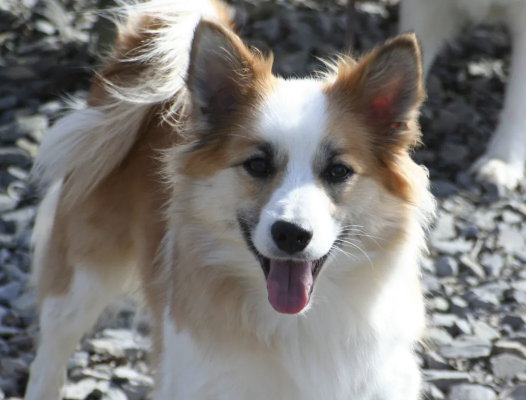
column 305, row 168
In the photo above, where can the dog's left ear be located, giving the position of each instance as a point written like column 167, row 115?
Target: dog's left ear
column 222, row 72
column 386, row 85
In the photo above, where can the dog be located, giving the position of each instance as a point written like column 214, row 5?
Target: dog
column 275, row 226
column 437, row 21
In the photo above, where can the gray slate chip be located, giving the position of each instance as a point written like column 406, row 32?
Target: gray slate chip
column 471, row 392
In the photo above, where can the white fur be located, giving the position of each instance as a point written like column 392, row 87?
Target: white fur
column 355, row 342
column 293, row 119
column 43, row 227
column 355, row 339
column 78, row 144
column 191, row 372
column 437, row 21
column 63, row 321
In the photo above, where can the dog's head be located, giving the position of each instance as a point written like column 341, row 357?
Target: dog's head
column 291, row 172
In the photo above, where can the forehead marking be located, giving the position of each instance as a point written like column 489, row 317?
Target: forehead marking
column 293, row 118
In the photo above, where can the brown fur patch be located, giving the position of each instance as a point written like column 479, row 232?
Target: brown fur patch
column 223, row 139
column 374, row 108
column 107, row 229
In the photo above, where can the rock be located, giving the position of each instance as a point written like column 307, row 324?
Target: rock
column 431, row 392
column 105, row 347
column 519, row 393
column 515, row 321
column 452, row 247
column 507, row 366
column 444, row 228
column 483, row 299
column 44, row 27
column 79, row 390
column 28, row 146
column 510, row 347
column 438, row 336
column 435, row 361
column 485, row 68
column 7, row 203
column 12, row 367
column 118, row 343
column 511, row 240
column 50, row 108
column 34, row 126
column 127, row 374
column 79, row 359
column 10, row 291
column 492, row 264
column 21, row 218
column 442, row 188
column 459, row 306
column 135, row 392
column 463, row 327
column 79, row 374
column 446, row 320
column 18, row 173
column 438, row 303
column 445, row 379
column 485, row 332
column 13, row 156
column 446, row 266
column 8, row 102
column 511, row 217
column 470, row 232
column 519, row 285
column 517, row 296
column 471, row 392
column 114, row 393
column 431, row 285
column 519, row 337
column 9, row 331
column 454, row 154
column 468, row 349
column 472, row 266
column 26, row 304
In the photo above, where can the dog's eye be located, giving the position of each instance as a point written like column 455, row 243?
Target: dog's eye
column 258, row 167
column 338, row 172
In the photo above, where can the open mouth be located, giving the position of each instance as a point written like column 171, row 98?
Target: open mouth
column 289, row 281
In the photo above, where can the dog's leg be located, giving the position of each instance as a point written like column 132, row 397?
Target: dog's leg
column 63, row 321
column 433, row 21
column 504, row 159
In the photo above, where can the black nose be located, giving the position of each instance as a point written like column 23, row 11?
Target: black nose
column 289, row 237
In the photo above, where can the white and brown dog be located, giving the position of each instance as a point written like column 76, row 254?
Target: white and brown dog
column 275, row 225
column 436, row 21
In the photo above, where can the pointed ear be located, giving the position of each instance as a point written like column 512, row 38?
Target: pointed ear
column 386, row 84
column 222, row 72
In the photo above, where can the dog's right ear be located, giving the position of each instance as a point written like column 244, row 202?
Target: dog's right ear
column 222, row 72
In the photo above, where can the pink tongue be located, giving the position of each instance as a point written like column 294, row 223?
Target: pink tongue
column 288, row 285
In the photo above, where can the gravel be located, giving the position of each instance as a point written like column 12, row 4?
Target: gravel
column 474, row 278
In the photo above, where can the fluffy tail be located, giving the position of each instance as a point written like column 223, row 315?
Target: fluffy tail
column 146, row 69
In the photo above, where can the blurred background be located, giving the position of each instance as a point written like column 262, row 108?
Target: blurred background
column 474, row 278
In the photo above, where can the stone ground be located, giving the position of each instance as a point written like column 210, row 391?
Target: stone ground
column 475, row 277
